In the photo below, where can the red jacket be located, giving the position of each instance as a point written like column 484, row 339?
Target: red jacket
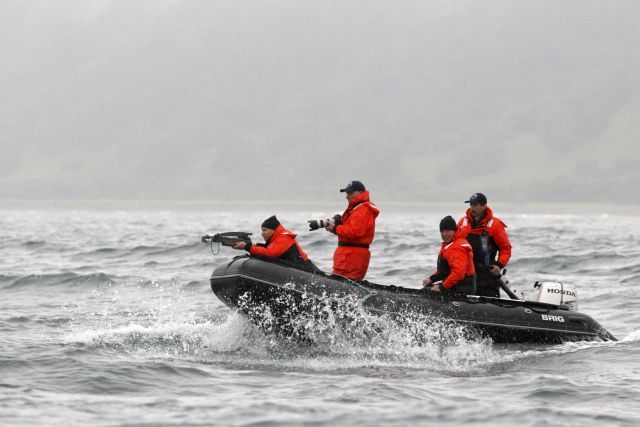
column 358, row 227
column 358, row 221
column 278, row 244
column 491, row 225
column 455, row 262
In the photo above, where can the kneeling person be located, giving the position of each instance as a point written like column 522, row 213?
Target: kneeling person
column 279, row 243
column 455, row 263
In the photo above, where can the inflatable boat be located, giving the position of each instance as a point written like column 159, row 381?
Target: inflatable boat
column 267, row 289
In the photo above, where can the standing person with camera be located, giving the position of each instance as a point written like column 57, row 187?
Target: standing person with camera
column 355, row 231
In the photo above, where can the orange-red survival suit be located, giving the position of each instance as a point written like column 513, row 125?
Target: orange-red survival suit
column 355, row 234
column 489, row 239
column 282, row 245
column 455, row 263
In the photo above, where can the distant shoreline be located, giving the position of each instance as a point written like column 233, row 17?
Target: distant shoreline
column 321, row 206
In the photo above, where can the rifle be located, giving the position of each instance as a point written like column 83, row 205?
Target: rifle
column 228, row 238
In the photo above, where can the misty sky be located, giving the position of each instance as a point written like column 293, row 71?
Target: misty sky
column 289, row 100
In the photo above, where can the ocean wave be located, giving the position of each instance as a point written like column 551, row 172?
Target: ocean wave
column 33, row 244
column 173, row 250
column 36, row 319
column 69, row 279
column 8, row 278
column 633, row 336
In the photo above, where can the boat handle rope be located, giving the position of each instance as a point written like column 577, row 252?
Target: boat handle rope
column 540, row 311
column 370, row 293
column 366, row 297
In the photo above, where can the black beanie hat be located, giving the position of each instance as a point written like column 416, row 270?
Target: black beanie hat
column 271, row 222
column 448, row 223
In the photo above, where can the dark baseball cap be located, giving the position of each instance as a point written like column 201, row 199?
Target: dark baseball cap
column 477, row 198
column 353, row 186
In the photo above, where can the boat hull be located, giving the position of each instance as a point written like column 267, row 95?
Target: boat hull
column 270, row 291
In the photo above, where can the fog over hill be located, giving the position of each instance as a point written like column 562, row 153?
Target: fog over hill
column 289, row 100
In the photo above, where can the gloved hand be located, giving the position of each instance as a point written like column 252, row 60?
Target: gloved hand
column 246, row 245
column 495, row 270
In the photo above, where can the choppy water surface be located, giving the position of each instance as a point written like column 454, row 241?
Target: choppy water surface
column 107, row 318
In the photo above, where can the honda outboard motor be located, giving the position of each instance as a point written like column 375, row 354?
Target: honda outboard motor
column 557, row 293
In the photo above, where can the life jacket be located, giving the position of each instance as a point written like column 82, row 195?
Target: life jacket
column 281, row 245
column 455, row 263
column 358, row 224
column 487, row 237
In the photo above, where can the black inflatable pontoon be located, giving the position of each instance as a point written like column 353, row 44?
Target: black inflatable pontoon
column 256, row 286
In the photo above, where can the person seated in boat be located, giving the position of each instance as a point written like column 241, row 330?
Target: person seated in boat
column 355, row 230
column 455, row 268
column 488, row 237
column 279, row 243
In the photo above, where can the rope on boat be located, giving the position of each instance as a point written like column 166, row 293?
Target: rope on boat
column 370, row 292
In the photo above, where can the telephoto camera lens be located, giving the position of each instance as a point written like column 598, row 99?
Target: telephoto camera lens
column 316, row 224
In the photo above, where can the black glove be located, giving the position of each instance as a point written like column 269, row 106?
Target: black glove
column 337, row 220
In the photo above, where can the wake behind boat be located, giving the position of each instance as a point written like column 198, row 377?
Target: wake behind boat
column 267, row 289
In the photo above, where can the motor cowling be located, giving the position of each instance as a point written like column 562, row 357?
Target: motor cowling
column 557, row 293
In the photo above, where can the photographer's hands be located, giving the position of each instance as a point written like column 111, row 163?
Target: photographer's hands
column 331, row 225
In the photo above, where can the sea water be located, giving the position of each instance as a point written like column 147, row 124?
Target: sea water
column 107, row 318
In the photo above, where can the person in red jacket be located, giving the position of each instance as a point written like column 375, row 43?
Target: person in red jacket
column 280, row 243
column 355, row 231
column 488, row 237
column 455, row 263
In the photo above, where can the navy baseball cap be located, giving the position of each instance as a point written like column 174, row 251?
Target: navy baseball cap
column 353, row 186
column 477, row 198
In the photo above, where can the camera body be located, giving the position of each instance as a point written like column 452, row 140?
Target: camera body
column 316, row 224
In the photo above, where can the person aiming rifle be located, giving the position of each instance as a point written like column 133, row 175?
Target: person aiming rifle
column 280, row 243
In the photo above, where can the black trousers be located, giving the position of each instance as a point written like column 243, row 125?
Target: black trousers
column 464, row 287
column 487, row 283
